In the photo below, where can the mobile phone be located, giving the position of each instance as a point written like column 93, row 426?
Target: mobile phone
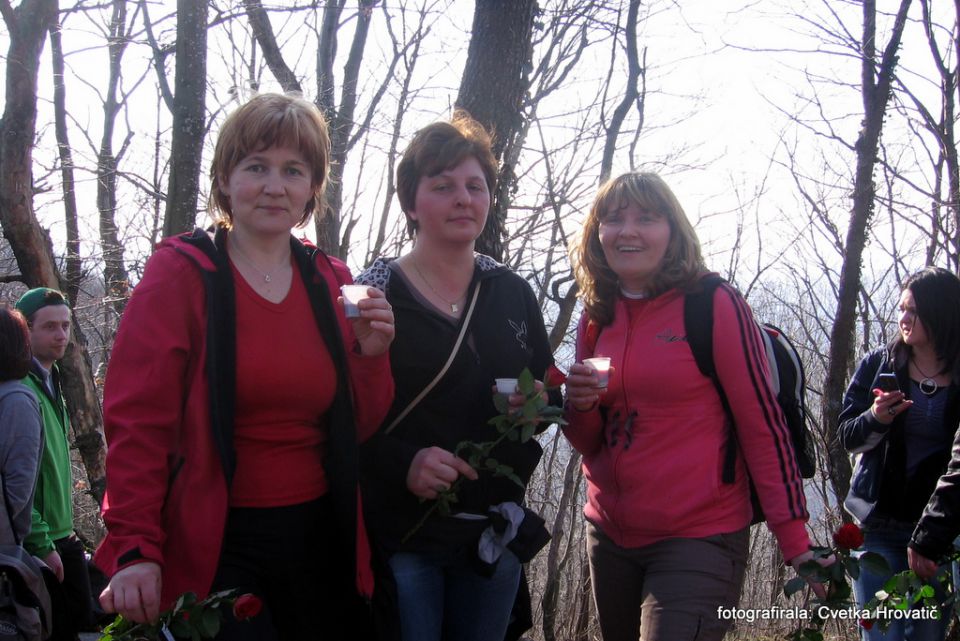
column 887, row 382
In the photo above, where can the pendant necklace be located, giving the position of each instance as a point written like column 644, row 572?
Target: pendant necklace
column 267, row 276
column 454, row 304
column 928, row 386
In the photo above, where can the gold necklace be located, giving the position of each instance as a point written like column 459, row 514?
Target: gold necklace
column 928, row 386
column 454, row 304
column 267, row 276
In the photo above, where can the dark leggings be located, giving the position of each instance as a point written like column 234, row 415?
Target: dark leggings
column 71, row 601
column 287, row 556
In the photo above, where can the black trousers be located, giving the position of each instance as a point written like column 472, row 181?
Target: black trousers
column 71, row 601
column 289, row 557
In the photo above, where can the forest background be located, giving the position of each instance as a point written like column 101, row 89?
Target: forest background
column 812, row 142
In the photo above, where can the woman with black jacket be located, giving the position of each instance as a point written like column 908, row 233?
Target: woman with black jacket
column 902, row 436
column 463, row 320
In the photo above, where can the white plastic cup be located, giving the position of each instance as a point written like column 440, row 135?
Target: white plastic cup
column 601, row 365
column 506, row 386
column 352, row 294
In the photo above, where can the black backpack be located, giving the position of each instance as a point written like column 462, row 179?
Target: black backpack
column 786, row 378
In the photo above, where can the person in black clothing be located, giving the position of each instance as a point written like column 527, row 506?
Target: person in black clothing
column 449, row 585
column 940, row 523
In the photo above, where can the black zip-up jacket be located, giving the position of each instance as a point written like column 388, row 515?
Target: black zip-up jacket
column 506, row 335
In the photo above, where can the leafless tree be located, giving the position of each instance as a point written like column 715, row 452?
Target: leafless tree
column 27, row 28
column 877, row 76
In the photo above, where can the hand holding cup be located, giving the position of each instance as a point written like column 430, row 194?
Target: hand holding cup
column 583, row 387
column 371, row 316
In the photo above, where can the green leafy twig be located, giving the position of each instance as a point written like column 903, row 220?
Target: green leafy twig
column 189, row 618
column 518, row 425
column 905, row 590
column 834, row 576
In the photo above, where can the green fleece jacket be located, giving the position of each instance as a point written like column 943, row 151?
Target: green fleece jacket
column 53, row 498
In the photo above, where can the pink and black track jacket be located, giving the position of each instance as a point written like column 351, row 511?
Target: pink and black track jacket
column 653, row 450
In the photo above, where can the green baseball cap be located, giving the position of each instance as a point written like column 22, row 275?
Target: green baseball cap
column 39, row 298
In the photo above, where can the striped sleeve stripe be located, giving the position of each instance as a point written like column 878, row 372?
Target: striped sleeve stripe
column 753, row 350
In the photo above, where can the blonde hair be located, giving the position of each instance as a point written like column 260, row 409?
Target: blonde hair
column 682, row 262
column 270, row 120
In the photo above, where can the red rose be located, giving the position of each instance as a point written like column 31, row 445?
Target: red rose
column 849, row 537
column 866, row 624
column 555, row 377
column 247, row 606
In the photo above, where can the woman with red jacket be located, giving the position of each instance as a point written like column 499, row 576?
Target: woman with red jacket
column 235, row 398
column 667, row 538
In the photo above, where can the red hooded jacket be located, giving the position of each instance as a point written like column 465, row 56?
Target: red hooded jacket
column 168, row 414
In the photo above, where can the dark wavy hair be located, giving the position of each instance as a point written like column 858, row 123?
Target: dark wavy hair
column 936, row 292
column 682, row 263
column 15, row 354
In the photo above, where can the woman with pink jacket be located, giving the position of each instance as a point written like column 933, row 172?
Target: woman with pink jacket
column 667, row 538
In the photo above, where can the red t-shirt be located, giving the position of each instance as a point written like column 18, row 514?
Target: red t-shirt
column 285, row 385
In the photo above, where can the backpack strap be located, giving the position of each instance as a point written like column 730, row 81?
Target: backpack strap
column 698, row 323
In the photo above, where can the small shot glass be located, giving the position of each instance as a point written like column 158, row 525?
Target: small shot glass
column 601, row 365
column 352, row 294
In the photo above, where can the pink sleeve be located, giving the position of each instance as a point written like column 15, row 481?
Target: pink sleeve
column 584, row 430
column 762, row 432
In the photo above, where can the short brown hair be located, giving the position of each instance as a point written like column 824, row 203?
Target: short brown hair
column 682, row 263
column 15, row 354
column 269, row 120
column 440, row 146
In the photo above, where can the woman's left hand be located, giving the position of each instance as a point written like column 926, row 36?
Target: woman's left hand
column 516, row 400
column 374, row 328
column 818, row 588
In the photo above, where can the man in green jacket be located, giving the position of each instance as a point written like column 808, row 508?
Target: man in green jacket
column 52, row 537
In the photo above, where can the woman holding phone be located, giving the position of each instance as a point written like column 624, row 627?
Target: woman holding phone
column 899, row 417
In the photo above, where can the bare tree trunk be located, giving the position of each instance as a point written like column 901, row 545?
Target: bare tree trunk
column 555, row 568
column 73, row 275
column 341, row 117
column 116, row 280
column 27, row 26
column 495, row 81
column 189, row 117
column 876, row 83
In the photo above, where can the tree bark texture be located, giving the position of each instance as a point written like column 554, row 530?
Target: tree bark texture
column 189, row 116
column 73, row 275
column 27, row 26
column 557, row 565
column 492, row 90
column 876, row 79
